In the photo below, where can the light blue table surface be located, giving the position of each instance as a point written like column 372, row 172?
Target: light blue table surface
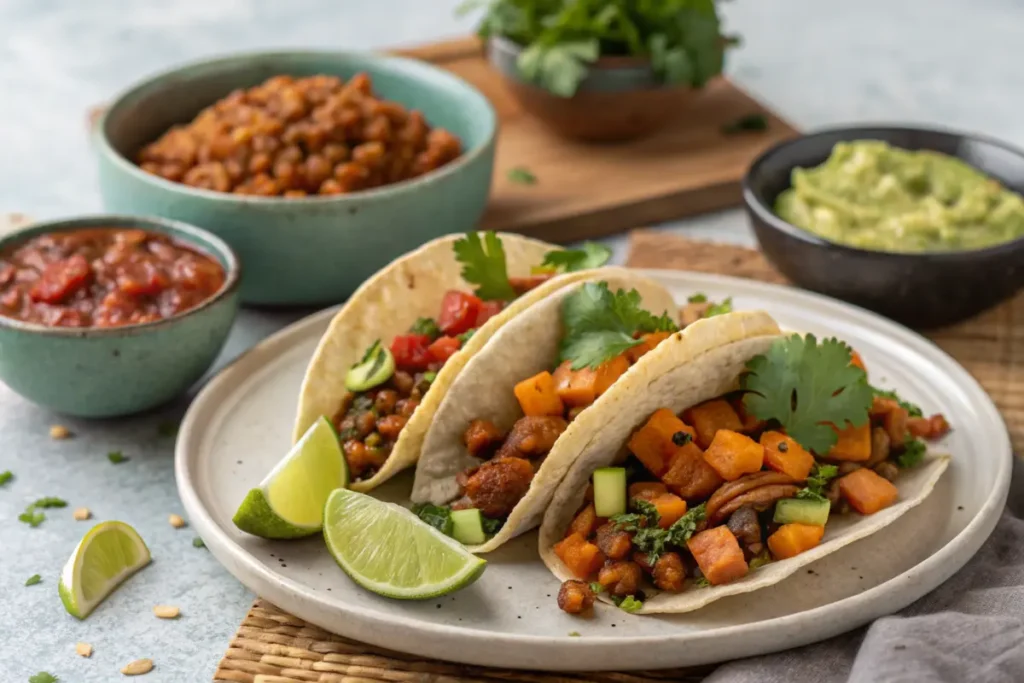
column 944, row 62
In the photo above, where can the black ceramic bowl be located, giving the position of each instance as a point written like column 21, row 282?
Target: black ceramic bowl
column 921, row 289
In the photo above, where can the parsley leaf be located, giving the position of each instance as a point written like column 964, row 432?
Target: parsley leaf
column 117, row 457
column 50, row 502
column 698, row 298
column 684, row 527
column 521, row 176
column 749, row 122
column 32, row 517
column 719, row 309
column 599, row 325
column 483, row 265
column 912, row 409
column 6, row 477
column 591, row 255
column 913, row 453
column 33, row 580
column 426, row 326
column 806, row 387
column 817, row 480
column 43, row 677
column 629, row 604
column 436, row 516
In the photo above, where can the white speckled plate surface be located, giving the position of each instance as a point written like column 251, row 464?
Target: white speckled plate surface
column 239, row 427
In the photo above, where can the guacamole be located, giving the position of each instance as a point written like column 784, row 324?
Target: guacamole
column 871, row 195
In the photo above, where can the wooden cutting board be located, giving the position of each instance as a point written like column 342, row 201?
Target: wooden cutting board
column 586, row 190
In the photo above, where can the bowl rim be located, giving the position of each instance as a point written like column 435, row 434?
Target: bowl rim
column 413, row 68
column 178, row 230
column 767, row 216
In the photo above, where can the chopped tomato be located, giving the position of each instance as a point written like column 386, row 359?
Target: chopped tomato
column 459, row 312
column 443, row 348
column 60, row 279
column 411, row 351
column 488, row 309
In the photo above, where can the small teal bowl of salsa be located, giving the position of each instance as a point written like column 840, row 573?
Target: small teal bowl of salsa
column 110, row 315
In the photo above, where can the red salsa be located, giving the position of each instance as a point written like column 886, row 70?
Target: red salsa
column 104, row 277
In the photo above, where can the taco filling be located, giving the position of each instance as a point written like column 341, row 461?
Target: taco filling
column 603, row 334
column 742, row 480
column 387, row 385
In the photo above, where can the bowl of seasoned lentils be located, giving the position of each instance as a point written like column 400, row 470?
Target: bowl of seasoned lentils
column 111, row 315
column 316, row 167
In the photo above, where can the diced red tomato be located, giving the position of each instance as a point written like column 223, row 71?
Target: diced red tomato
column 459, row 312
column 60, row 279
column 411, row 351
column 443, row 348
column 488, row 309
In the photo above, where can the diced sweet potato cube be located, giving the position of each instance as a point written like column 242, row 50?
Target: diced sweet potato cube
column 653, row 443
column 710, row 417
column 690, row 476
column 581, row 557
column 854, row 443
column 584, row 523
column 733, row 454
column 537, row 396
column 785, row 455
column 575, row 387
column 867, row 492
column 789, row 540
column 718, row 555
column 647, row 490
column 749, row 422
column 649, row 341
column 670, row 508
column 608, row 372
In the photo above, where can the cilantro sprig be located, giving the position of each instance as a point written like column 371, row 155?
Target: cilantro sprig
column 589, row 255
column 719, row 309
column 648, row 537
column 817, row 481
column 599, row 325
column 913, row 453
column 483, row 265
column 807, row 386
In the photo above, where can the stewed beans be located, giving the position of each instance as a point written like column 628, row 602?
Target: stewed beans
column 296, row 137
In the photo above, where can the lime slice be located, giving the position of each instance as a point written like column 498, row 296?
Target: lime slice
column 385, row 549
column 108, row 554
column 290, row 501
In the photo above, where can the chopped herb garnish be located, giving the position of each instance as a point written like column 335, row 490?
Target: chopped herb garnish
column 521, row 176
column 749, row 122
column 574, row 634
column 912, row 409
column 681, row 438
column 465, row 337
column 50, row 502
column 629, row 604
column 117, row 457
column 591, row 255
column 719, row 309
column 168, row 428
column 913, row 453
column 701, row 582
column 491, row 525
column 596, row 587
column 198, row 543
column 817, row 481
column 429, row 377
column 33, row 580
column 649, row 537
column 6, row 477
column 646, row 515
column 436, row 516
column 426, row 326
column 483, row 265
column 684, row 527
column 32, row 517
column 807, row 387
column 43, row 677
column 599, row 325
column 761, row 560
column 698, row 298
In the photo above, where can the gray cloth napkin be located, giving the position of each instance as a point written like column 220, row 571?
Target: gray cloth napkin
column 969, row 630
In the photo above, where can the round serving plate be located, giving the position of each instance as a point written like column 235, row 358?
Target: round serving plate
column 239, row 427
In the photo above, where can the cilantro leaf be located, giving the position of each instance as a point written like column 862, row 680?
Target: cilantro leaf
column 483, row 265
column 50, row 502
column 912, row 409
column 32, row 517
column 806, row 387
column 465, row 337
column 746, row 123
column 719, row 309
column 491, row 525
column 198, row 543
column 6, row 477
column 117, row 457
column 33, row 580
column 427, row 327
column 591, row 255
column 698, row 298
column 43, row 677
column 436, row 516
column 684, row 527
column 521, row 176
column 913, row 453
column 629, row 604
column 596, row 587
column 817, row 481
column 593, row 349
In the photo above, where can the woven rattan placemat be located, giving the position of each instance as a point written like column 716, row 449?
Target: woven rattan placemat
column 274, row 647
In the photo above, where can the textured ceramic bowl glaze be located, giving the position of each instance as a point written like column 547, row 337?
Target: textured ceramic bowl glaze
column 313, row 250
column 619, row 99
column 923, row 289
column 106, row 372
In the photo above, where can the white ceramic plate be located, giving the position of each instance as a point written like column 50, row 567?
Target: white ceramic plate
column 239, row 427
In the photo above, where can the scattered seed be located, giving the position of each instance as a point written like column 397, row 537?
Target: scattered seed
column 59, row 432
column 177, row 521
column 166, row 611
column 81, row 514
column 138, row 667
column 83, row 649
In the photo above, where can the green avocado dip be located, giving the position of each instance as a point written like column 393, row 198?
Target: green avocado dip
column 871, row 195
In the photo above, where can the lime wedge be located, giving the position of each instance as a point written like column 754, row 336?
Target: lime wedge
column 290, row 501
column 385, row 549
column 108, row 554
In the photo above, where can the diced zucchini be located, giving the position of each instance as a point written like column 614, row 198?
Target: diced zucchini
column 375, row 368
column 610, row 491
column 468, row 527
column 802, row 511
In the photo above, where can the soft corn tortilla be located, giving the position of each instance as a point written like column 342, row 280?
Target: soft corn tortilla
column 520, row 349
column 385, row 306
column 686, row 371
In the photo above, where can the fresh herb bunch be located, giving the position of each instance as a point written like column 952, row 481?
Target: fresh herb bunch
column 682, row 38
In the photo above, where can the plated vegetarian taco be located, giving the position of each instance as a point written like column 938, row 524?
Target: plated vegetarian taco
column 742, row 460
column 520, row 412
column 388, row 356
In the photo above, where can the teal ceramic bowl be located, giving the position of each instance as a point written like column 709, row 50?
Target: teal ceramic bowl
column 313, row 250
column 106, row 372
